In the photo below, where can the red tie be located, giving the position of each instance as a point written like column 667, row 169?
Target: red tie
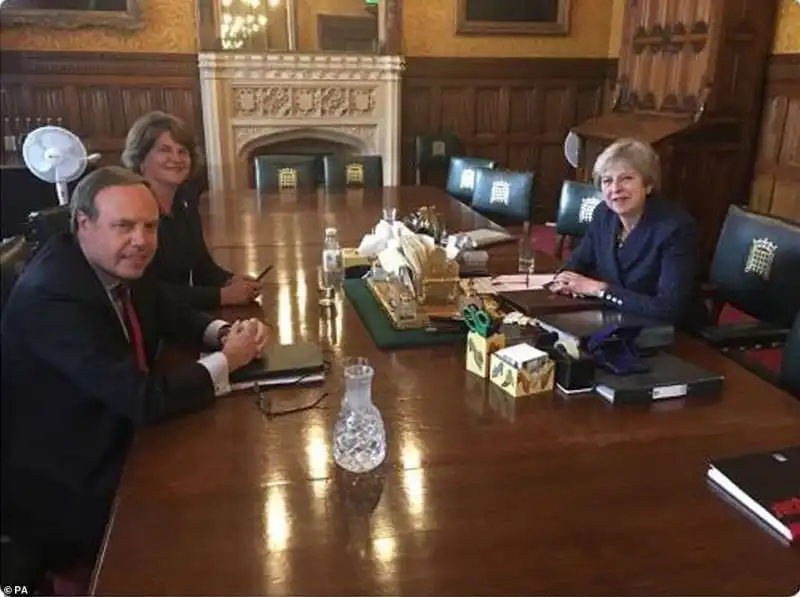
column 134, row 328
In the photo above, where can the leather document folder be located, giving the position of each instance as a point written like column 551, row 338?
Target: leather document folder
column 541, row 301
column 282, row 364
column 669, row 377
column 579, row 327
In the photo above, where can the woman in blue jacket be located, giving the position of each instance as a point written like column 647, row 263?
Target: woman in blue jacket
column 640, row 252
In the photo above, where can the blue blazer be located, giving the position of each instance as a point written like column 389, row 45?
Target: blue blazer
column 654, row 272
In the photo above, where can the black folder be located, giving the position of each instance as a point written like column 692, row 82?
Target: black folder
column 579, row 327
column 282, row 364
column 669, row 377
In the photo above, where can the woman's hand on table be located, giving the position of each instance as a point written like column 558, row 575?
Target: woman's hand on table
column 573, row 283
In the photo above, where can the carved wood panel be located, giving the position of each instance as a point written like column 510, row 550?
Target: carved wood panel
column 665, row 55
column 99, row 95
column 776, row 184
column 515, row 111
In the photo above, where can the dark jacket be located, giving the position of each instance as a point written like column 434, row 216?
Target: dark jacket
column 654, row 272
column 72, row 395
column 182, row 262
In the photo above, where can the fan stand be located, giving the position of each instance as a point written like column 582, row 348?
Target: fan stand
column 62, row 192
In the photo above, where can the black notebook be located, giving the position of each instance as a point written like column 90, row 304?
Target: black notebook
column 767, row 484
column 669, row 377
column 282, row 364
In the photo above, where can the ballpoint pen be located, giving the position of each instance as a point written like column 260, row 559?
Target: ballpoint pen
column 264, row 273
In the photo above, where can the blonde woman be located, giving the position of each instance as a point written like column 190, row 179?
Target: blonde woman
column 640, row 251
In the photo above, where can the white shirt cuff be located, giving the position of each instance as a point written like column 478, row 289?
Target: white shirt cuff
column 217, row 365
column 211, row 334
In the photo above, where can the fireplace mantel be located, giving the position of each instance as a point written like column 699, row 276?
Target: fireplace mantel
column 251, row 100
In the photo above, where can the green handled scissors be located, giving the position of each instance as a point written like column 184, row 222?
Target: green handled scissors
column 478, row 320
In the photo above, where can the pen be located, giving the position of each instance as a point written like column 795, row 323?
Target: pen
column 264, row 273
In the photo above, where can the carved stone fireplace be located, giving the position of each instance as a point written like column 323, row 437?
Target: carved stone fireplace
column 254, row 100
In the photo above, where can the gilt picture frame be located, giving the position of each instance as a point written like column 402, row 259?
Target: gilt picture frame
column 512, row 17
column 118, row 14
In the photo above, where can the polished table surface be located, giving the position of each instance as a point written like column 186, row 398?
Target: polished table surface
column 479, row 493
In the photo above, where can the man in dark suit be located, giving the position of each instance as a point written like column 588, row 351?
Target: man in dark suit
column 80, row 334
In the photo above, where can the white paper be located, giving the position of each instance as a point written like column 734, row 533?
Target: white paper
column 378, row 240
column 485, row 236
column 510, row 283
column 391, row 260
column 675, row 391
column 520, row 354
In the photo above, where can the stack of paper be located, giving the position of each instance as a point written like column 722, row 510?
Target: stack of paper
column 510, row 283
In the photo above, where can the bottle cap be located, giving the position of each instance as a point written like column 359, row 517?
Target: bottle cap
column 329, row 231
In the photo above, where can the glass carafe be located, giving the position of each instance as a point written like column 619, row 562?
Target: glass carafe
column 359, row 437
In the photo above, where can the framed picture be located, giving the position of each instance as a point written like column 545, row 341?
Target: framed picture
column 512, row 17
column 70, row 14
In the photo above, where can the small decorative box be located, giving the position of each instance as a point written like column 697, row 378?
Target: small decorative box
column 522, row 370
column 480, row 350
column 352, row 258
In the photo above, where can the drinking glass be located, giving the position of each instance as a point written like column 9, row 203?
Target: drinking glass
column 526, row 261
column 326, row 286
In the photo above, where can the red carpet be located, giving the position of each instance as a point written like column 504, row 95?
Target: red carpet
column 544, row 239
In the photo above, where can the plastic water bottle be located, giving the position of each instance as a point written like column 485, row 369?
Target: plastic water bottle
column 359, row 435
column 332, row 270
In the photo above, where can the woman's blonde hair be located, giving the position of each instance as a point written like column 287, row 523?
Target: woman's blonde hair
column 146, row 130
column 637, row 155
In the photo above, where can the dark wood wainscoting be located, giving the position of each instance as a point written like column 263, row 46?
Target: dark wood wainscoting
column 776, row 184
column 514, row 110
column 99, row 94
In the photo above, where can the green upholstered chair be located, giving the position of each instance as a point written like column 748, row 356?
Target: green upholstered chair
column 362, row 171
column 461, row 176
column 503, row 196
column 276, row 173
column 576, row 207
column 433, row 152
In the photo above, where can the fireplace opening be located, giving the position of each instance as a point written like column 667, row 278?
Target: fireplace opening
column 318, row 148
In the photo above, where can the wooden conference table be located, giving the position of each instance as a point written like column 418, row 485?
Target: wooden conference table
column 479, row 494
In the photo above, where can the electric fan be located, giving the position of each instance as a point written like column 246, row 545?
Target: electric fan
column 56, row 155
column 572, row 149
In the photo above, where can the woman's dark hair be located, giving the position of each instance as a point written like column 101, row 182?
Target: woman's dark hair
column 147, row 129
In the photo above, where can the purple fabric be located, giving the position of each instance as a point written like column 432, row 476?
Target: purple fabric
column 614, row 349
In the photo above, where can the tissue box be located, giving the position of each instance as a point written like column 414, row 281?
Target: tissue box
column 522, row 370
column 479, row 351
column 352, row 258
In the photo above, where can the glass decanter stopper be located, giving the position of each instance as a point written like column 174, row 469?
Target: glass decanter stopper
column 359, row 437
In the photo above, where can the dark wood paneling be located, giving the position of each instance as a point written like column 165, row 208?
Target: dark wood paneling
column 99, row 94
column 776, row 184
column 514, row 110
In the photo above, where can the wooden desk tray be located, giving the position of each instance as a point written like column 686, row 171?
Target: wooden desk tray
column 382, row 293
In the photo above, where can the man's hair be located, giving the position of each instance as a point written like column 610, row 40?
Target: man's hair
column 83, row 197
